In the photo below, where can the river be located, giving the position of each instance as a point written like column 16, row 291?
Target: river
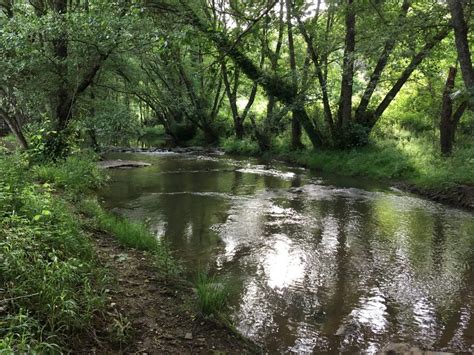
column 315, row 263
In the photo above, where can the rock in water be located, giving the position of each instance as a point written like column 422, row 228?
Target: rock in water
column 113, row 164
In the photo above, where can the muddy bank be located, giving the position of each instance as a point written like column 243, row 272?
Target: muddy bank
column 149, row 314
column 458, row 196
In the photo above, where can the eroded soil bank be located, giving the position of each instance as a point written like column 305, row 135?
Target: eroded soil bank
column 149, row 314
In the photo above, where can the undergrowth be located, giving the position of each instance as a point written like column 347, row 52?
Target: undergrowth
column 52, row 290
column 51, row 286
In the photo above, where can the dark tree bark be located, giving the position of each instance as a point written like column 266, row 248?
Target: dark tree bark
column 232, row 98
column 321, row 77
column 273, row 84
column 389, row 45
column 63, row 109
column 462, row 44
column 416, row 60
column 345, row 102
column 295, row 123
column 449, row 121
column 15, row 127
column 445, row 125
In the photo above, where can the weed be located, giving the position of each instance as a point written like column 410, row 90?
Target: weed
column 213, row 295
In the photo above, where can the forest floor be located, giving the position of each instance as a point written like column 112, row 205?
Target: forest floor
column 152, row 314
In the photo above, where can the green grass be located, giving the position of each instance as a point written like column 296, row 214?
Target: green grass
column 404, row 157
column 51, row 287
column 76, row 175
column 213, row 295
column 130, row 234
column 52, row 290
column 240, row 147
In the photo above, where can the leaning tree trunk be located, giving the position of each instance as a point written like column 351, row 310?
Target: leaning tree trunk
column 449, row 120
column 15, row 128
column 273, row 84
column 462, row 44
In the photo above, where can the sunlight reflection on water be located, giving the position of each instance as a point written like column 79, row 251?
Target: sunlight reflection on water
column 314, row 265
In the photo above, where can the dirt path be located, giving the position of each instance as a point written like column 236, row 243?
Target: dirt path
column 152, row 315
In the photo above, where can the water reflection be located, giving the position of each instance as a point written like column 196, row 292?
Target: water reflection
column 317, row 264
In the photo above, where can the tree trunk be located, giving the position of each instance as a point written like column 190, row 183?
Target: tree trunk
column 273, row 84
column 321, row 77
column 61, row 53
column 462, row 44
column 15, row 128
column 232, row 97
column 416, row 60
column 389, row 45
column 446, row 130
column 295, row 124
column 345, row 103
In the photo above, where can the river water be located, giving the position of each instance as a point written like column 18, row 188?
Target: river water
column 315, row 263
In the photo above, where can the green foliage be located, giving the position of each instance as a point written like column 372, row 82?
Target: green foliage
column 184, row 132
column 76, row 175
column 112, row 123
column 131, row 234
column 47, row 144
column 213, row 295
column 52, row 287
column 240, row 146
column 354, row 135
column 154, row 136
column 407, row 158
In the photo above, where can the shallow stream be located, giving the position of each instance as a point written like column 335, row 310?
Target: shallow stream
column 315, row 262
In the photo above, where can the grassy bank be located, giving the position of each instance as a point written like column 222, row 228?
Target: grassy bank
column 51, row 287
column 414, row 160
column 53, row 293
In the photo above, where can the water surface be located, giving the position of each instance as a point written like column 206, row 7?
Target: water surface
column 316, row 263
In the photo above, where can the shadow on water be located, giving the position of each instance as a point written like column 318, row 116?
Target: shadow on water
column 315, row 263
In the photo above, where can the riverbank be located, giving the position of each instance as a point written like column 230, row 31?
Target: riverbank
column 413, row 165
column 77, row 278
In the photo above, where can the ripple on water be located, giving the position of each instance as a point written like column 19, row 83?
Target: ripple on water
column 316, row 267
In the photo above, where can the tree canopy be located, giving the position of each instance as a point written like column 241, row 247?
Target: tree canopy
column 323, row 73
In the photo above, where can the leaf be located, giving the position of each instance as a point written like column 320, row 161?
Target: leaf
column 37, row 217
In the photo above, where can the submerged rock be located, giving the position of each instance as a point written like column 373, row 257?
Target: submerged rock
column 113, row 164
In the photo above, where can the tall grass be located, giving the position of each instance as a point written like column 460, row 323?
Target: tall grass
column 75, row 175
column 131, row 234
column 400, row 155
column 213, row 295
column 51, row 286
